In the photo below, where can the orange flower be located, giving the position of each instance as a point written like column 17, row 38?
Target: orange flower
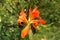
column 33, row 14
column 24, row 32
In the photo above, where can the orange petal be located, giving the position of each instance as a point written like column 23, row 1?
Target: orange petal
column 30, row 13
column 22, row 13
column 34, row 14
column 22, row 19
column 19, row 20
column 24, row 32
column 35, row 23
column 42, row 21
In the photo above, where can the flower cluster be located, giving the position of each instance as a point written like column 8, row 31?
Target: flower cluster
column 33, row 18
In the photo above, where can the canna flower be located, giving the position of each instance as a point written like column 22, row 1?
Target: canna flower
column 31, row 20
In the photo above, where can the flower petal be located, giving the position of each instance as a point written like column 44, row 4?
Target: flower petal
column 42, row 21
column 22, row 17
column 24, row 32
column 34, row 14
column 30, row 13
column 35, row 23
column 22, row 13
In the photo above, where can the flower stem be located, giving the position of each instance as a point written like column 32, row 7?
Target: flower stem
column 30, row 31
column 30, row 35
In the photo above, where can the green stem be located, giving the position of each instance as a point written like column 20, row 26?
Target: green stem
column 30, row 31
column 30, row 35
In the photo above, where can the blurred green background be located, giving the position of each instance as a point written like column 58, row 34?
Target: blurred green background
column 49, row 11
